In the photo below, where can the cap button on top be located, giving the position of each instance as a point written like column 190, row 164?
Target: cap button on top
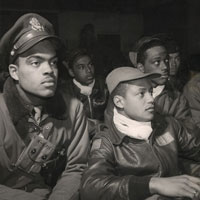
column 44, row 157
column 33, row 151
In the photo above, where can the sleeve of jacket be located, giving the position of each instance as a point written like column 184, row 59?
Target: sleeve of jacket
column 181, row 108
column 8, row 193
column 77, row 153
column 188, row 139
column 174, row 104
column 101, row 181
column 192, row 94
column 189, row 147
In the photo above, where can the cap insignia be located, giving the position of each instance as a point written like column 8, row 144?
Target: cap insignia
column 35, row 24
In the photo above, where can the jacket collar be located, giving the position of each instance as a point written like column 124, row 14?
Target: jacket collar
column 18, row 109
column 169, row 90
column 158, row 125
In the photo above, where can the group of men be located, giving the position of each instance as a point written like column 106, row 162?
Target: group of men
column 138, row 153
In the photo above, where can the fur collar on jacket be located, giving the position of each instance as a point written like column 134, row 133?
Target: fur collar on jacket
column 55, row 106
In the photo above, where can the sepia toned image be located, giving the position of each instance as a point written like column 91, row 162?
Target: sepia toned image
column 99, row 100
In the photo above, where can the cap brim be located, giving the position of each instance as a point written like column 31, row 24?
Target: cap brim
column 145, row 75
column 36, row 40
column 152, row 75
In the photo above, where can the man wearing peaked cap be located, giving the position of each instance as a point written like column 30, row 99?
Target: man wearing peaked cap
column 123, row 74
column 28, row 30
column 136, row 156
column 43, row 131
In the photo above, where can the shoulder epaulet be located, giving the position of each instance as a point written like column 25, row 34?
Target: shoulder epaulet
column 101, row 130
column 101, row 127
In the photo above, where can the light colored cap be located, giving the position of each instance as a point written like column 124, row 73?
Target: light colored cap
column 123, row 74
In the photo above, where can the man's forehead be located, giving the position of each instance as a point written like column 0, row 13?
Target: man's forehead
column 174, row 54
column 83, row 59
column 156, row 51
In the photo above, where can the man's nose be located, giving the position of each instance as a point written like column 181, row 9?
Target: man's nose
column 47, row 68
column 88, row 68
column 150, row 98
column 165, row 66
column 172, row 62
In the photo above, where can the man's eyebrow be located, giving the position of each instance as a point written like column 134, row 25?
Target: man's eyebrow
column 34, row 56
column 40, row 57
column 142, row 88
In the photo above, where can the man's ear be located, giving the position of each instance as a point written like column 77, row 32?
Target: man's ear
column 118, row 101
column 140, row 66
column 70, row 71
column 13, row 70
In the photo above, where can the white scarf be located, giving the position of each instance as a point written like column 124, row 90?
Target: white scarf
column 132, row 128
column 157, row 90
column 86, row 90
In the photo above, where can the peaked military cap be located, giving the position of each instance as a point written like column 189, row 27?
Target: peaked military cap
column 28, row 30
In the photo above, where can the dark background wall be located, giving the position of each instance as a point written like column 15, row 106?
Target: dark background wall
column 121, row 21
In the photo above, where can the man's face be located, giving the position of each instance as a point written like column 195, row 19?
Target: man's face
column 174, row 63
column 37, row 74
column 138, row 103
column 157, row 61
column 83, row 70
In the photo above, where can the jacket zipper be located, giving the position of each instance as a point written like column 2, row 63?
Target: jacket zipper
column 90, row 107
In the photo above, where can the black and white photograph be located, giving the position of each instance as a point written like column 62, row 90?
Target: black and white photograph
column 99, row 100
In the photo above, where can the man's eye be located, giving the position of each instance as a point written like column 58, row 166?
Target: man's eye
column 141, row 94
column 54, row 63
column 91, row 64
column 35, row 63
column 157, row 62
column 81, row 67
column 166, row 60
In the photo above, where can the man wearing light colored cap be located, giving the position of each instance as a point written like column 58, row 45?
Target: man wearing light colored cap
column 136, row 157
column 43, row 133
column 150, row 55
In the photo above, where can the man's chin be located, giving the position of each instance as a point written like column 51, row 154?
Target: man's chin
column 161, row 81
column 47, row 94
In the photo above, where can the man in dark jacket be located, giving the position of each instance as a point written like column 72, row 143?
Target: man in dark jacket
column 43, row 133
column 137, row 156
column 150, row 55
column 86, row 86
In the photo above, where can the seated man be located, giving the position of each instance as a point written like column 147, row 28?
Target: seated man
column 192, row 89
column 150, row 55
column 85, row 86
column 43, row 134
column 178, row 69
column 136, row 157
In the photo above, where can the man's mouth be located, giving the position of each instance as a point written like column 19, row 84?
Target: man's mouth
column 49, row 82
column 150, row 109
column 164, row 76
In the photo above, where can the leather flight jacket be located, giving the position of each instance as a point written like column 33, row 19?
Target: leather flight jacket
column 120, row 167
